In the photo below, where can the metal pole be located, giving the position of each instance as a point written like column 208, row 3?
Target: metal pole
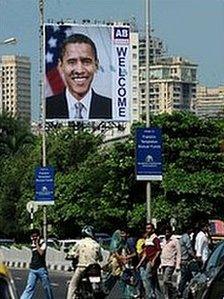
column 42, row 97
column 31, row 218
column 147, row 32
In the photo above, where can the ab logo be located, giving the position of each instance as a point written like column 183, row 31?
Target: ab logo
column 121, row 33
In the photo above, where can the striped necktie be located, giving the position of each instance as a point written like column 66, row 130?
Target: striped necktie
column 78, row 110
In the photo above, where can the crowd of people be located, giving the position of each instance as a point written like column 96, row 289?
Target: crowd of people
column 134, row 263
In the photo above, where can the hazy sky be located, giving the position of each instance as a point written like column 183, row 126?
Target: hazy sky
column 190, row 28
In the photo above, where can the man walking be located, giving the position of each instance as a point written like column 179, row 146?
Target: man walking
column 170, row 261
column 202, row 243
column 187, row 255
column 149, row 263
column 38, row 268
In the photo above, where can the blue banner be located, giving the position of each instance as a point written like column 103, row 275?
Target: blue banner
column 149, row 154
column 44, row 185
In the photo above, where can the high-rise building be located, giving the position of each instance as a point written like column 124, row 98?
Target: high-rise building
column 134, row 80
column 15, row 91
column 209, row 101
column 172, row 85
column 156, row 51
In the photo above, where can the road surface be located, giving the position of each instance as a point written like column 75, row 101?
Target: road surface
column 58, row 280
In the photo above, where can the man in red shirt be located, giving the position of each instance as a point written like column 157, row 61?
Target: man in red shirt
column 150, row 261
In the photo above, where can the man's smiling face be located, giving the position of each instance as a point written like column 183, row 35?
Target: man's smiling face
column 78, row 67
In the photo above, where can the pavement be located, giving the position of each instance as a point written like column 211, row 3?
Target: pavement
column 58, row 281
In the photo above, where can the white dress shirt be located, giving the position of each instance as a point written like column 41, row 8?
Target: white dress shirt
column 71, row 101
column 201, row 246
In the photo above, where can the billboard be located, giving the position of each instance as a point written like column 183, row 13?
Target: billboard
column 87, row 72
column 149, row 154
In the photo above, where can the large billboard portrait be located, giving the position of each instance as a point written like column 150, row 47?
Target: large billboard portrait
column 87, row 70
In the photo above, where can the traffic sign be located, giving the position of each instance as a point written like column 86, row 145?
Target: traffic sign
column 149, row 154
column 44, row 185
column 32, row 206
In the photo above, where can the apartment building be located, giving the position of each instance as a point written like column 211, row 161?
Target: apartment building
column 156, row 49
column 15, row 91
column 209, row 101
column 134, row 53
column 172, row 85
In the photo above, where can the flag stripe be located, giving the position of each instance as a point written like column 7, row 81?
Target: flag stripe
column 54, row 35
column 55, row 81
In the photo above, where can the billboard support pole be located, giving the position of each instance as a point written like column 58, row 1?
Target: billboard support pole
column 43, row 109
column 147, row 31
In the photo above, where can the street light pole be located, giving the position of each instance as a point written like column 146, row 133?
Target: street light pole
column 42, row 98
column 147, row 32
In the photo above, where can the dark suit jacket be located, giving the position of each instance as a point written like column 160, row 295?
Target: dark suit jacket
column 57, row 107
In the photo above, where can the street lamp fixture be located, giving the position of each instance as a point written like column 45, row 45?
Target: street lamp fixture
column 9, row 41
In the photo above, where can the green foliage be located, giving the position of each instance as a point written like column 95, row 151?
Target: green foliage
column 194, row 165
column 16, row 142
column 14, row 135
column 95, row 183
column 65, row 150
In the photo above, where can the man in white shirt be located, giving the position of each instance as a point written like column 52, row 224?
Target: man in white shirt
column 202, row 243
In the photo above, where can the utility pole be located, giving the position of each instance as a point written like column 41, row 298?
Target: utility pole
column 42, row 99
column 147, row 40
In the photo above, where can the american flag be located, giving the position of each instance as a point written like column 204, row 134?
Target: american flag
column 54, row 35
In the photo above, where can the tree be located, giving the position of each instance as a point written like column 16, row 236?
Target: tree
column 95, row 183
column 194, row 165
column 14, row 135
column 15, row 144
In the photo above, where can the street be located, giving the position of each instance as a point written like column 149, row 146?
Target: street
column 58, row 282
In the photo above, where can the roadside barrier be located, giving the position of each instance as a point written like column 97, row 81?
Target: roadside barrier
column 55, row 259
column 20, row 258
